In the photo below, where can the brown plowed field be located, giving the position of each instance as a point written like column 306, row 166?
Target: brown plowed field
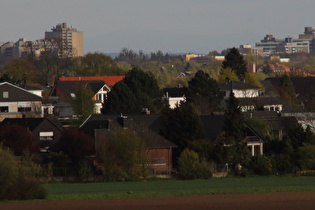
column 292, row 200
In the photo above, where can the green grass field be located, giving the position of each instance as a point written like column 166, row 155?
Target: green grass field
column 100, row 190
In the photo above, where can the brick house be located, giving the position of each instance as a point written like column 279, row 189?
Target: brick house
column 146, row 126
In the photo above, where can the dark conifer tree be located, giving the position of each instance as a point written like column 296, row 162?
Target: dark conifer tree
column 136, row 91
column 204, row 93
column 234, row 123
column 235, row 61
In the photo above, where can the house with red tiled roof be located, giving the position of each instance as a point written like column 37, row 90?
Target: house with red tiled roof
column 276, row 68
column 109, row 80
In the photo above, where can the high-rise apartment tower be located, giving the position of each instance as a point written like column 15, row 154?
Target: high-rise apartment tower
column 69, row 40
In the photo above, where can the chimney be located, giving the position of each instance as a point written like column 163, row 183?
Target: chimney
column 122, row 120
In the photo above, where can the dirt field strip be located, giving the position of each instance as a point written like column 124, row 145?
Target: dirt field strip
column 279, row 201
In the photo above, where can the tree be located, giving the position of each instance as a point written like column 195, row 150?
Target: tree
column 234, row 123
column 204, row 93
column 20, row 71
column 50, row 66
column 18, row 179
column 76, row 144
column 83, row 103
column 181, row 125
column 18, row 139
column 122, row 156
column 98, row 64
column 213, row 53
column 306, row 157
column 287, row 91
column 227, row 75
column 235, row 61
column 136, row 91
column 191, row 167
column 120, row 100
column 267, row 69
column 253, row 79
column 230, row 147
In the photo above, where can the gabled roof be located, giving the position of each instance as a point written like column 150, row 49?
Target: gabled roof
column 268, row 88
column 64, row 89
column 302, row 85
column 31, row 87
column 174, row 92
column 235, row 85
column 214, row 124
column 31, row 123
column 273, row 119
column 109, row 80
column 260, row 101
column 16, row 93
column 146, row 126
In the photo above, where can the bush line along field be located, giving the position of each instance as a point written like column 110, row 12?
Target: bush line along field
column 158, row 188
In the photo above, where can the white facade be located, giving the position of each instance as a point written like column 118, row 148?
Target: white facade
column 174, row 101
column 246, row 93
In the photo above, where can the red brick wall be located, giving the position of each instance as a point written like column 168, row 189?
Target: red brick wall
column 161, row 159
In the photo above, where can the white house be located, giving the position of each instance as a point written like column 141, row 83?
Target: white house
column 240, row 90
column 16, row 101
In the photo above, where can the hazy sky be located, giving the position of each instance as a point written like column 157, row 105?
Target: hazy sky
column 184, row 26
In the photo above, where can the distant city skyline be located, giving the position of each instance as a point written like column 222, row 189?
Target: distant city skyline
column 176, row 26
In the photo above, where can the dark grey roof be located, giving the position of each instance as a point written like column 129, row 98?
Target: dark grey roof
column 16, row 93
column 260, row 101
column 64, row 89
column 213, row 125
column 273, row 119
column 174, row 92
column 146, row 126
column 31, row 87
column 302, row 85
column 235, row 85
column 269, row 89
column 31, row 123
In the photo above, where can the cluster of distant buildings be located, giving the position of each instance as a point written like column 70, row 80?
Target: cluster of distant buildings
column 269, row 46
column 63, row 40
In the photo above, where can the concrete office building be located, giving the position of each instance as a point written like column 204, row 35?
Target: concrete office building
column 68, row 39
column 272, row 46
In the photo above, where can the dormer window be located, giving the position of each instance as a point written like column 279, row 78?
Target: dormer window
column 5, row 94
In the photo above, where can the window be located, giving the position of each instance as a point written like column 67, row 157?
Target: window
column 46, row 136
column 159, row 161
column 4, row 109
column 5, row 94
column 24, row 106
column 24, row 109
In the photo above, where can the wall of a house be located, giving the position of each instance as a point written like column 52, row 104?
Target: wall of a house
column 161, row 160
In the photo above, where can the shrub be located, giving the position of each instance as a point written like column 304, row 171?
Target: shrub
column 123, row 157
column 190, row 166
column 260, row 165
column 306, row 157
column 17, row 178
column 282, row 164
column 85, row 171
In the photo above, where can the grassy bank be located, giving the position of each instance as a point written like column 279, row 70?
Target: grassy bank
column 75, row 191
